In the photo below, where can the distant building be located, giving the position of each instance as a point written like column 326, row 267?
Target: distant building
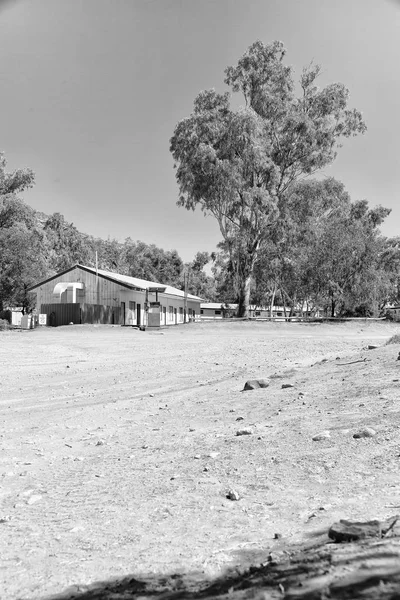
column 218, row 310
column 12, row 315
column 85, row 295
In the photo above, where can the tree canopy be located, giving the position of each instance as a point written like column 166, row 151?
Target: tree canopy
column 239, row 165
column 34, row 246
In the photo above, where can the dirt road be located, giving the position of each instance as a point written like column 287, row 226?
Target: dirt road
column 118, row 447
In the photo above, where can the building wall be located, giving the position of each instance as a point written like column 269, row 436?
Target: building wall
column 97, row 290
column 212, row 312
column 100, row 291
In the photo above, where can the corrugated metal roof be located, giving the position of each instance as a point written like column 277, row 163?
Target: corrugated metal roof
column 142, row 284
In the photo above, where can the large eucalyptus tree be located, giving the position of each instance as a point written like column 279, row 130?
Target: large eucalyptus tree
column 237, row 165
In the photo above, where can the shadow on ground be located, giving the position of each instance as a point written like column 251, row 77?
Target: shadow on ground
column 321, row 570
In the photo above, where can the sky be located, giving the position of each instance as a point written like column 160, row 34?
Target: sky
column 91, row 91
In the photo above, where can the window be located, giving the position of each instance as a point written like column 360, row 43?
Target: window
column 201, row 311
column 258, row 313
column 217, row 312
column 132, row 305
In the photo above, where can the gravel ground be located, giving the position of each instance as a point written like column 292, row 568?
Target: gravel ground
column 119, row 447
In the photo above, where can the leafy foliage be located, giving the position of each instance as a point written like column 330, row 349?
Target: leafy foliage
column 328, row 251
column 239, row 165
column 34, row 246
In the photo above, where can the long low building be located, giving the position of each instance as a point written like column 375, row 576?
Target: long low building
column 83, row 294
column 218, row 310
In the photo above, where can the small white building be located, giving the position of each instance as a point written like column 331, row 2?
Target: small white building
column 13, row 315
column 87, row 295
column 217, row 310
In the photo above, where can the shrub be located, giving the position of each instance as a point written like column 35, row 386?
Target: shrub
column 6, row 314
column 395, row 339
column 4, row 325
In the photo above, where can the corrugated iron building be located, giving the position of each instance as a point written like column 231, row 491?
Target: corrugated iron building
column 85, row 295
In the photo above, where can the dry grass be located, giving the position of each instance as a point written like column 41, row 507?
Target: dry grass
column 395, row 339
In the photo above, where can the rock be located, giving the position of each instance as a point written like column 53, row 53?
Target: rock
column 323, row 435
column 77, row 528
column 367, row 432
column 287, row 385
column 348, row 531
column 245, row 431
column 26, row 493
column 5, row 519
column 254, row 384
column 372, row 347
column 233, row 495
column 34, row 498
column 197, row 456
column 213, row 454
column 100, row 443
column 240, row 419
column 274, row 558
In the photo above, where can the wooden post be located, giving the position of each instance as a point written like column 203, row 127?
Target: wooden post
column 185, row 296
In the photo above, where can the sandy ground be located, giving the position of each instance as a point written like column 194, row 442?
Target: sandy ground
column 118, row 447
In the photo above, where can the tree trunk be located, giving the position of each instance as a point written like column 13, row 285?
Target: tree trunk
column 244, row 298
column 271, row 306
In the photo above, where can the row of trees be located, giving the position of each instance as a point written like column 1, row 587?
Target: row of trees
column 327, row 252
column 287, row 238
column 323, row 251
column 283, row 233
column 34, row 246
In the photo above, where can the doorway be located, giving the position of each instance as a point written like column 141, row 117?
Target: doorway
column 138, row 311
column 123, row 312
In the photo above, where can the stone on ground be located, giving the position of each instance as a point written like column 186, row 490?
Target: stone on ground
column 367, row 432
column 254, row 384
column 323, row 435
column 348, row 531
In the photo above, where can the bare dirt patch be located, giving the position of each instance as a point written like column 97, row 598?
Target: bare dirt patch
column 119, row 448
